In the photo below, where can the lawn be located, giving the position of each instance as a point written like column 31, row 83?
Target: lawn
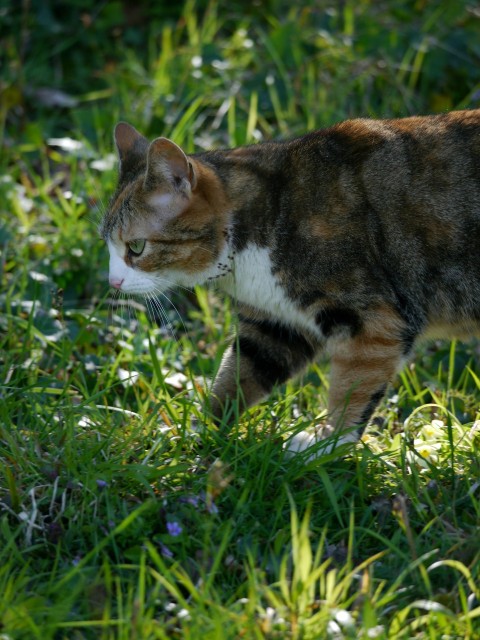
column 126, row 514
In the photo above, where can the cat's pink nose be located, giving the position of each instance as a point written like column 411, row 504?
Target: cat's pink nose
column 115, row 282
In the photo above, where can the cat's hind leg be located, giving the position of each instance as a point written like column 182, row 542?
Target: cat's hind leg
column 361, row 368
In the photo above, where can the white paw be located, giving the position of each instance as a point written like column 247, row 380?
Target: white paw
column 322, row 441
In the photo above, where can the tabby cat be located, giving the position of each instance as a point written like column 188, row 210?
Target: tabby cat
column 355, row 240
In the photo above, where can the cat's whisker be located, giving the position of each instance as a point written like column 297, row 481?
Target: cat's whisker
column 149, row 308
column 157, row 305
column 155, row 314
column 96, row 212
column 93, row 219
column 170, row 325
column 124, row 314
column 164, row 295
column 132, row 315
column 102, row 204
column 111, row 307
column 170, row 284
column 151, row 311
column 120, row 313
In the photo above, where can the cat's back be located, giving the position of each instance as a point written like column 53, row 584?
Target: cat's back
column 420, row 153
column 413, row 172
column 418, row 148
column 358, row 138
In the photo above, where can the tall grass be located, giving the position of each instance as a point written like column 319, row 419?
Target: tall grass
column 123, row 513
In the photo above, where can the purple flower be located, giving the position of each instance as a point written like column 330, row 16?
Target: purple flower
column 211, row 506
column 165, row 551
column 101, row 484
column 209, row 503
column 174, row 529
column 193, row 500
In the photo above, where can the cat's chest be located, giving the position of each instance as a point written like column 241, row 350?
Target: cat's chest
column 254, row 283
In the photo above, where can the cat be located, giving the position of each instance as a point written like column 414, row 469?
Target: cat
column 355, row 241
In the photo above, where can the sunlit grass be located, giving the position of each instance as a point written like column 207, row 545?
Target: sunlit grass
column 124, row 513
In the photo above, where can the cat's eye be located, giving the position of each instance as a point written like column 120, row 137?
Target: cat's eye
column 136, row 247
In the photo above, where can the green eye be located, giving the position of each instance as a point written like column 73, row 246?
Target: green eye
column 136, row 247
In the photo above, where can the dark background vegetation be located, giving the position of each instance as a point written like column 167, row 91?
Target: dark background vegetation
column 95, row 462
column 79, row 48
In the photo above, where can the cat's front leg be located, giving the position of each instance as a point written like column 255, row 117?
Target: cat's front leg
column 263, row 354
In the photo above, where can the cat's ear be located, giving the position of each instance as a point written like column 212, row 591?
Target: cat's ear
column 130, row 143
column 167, row 165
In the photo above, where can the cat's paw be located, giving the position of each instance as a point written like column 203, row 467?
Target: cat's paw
column 322, row 440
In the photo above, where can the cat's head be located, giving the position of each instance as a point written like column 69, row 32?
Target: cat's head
column 166, row 221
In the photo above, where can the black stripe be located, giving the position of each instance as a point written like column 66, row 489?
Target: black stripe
column 271, row 368
column 331, row 321
column 371, row 406
column 286, row 336
column 407, row 337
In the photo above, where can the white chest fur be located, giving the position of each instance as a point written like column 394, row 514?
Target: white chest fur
column 254, row 283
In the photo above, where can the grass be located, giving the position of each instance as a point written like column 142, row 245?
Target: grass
column 123, row 513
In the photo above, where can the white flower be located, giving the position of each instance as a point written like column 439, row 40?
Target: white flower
column 334, row 630
column 433, row 431
column 371, row 442
column 183, row 614
column 425, row 454
column 344, row 618
column 127, row 378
